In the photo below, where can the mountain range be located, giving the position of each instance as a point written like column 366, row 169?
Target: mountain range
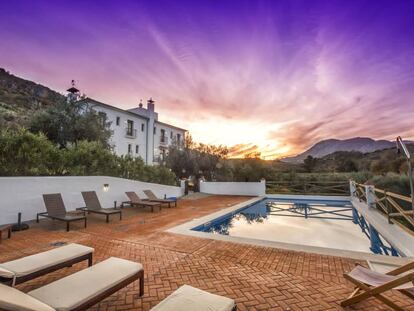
column 328, row 146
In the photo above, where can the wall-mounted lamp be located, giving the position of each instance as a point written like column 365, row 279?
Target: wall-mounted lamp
column 106, row 187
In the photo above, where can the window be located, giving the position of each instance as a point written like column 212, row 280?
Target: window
column 171, row 135
column 118, row 120
column 129, row 148
column 136, row 149
column 163, row 137
column 130, row 127
column 178, row 138
column 155, row 130
column 142, row 127
column 102, row 117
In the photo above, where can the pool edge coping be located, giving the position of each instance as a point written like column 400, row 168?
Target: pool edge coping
column 186, row 229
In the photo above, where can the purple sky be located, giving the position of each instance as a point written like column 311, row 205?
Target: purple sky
column 274, row 76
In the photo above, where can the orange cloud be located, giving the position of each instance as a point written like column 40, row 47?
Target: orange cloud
column 241, row 150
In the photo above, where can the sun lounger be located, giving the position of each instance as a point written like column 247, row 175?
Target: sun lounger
column 370, row 283
column 94, row 206
column 56, row 210
column 136, row 201
column 191, row 298
column 153, row 198
column 30, row 267
column 78, row 291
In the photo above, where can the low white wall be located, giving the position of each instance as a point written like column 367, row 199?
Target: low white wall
column 24, row 194
column 234, row 188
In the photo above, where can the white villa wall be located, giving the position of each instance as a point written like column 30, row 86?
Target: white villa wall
column 148, row 143
column 234, row 188
column 24, row 194
column 150, row 135
column 168, row 129
column 118, row 138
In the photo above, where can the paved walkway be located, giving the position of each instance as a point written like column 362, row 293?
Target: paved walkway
column 258, row 278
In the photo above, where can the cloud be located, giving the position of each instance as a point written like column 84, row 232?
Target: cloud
column 241, row 150
column 273, row 77
column 298, row 135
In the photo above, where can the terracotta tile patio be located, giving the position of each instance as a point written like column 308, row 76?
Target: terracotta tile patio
column 258, row 278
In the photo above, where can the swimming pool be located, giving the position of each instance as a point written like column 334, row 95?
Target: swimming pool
column 310, row 222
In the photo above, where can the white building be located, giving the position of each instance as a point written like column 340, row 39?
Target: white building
column 137, row 131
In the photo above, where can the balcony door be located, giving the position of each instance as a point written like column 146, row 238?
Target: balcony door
column 163, row 137
column 130, row 127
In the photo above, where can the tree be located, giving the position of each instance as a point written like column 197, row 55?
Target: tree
column 90, row 158
column 196, row 159
column 309, row 163
column 69, row 122
column 26, row 154
column 23, row 153
column 250, row 169
column 347, row 165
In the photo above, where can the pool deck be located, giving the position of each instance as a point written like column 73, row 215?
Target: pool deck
column 394, row 234
column 257, row 277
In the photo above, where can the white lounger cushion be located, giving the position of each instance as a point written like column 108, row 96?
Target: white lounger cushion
column 75, row 289
column 15, row 300
column 191, row 298
column 36, row 262
column 6, row 273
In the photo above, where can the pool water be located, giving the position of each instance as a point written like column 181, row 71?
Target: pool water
column 318, row 223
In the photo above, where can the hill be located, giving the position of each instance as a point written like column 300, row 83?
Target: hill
column 378, row 162
column 19, row 98
column 329, row 146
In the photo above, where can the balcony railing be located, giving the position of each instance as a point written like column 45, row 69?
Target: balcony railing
column 130, row 133
column 164, row 140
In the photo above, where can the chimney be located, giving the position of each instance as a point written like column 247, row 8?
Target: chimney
column 151, row 105
column 140, row 103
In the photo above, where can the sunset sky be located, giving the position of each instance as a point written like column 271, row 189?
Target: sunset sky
column 274, row 76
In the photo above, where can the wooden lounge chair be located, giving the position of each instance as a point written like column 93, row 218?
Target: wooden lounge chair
column 136, row 201
column 369, row 283
column 191, row 298
column 153, row 198
column 56, row 210
column 94, row 206
column 78, row 291
column 30, row 267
